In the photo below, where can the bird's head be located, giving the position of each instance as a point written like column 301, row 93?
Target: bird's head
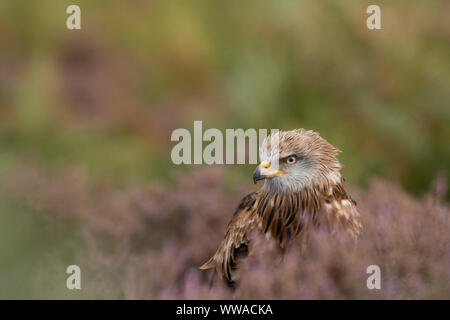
column 297, row 159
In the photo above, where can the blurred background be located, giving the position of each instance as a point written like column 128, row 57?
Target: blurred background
column 86, row 117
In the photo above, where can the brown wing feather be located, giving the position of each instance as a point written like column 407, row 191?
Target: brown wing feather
column 235, row 241
column 341, row 209
column 282, row 216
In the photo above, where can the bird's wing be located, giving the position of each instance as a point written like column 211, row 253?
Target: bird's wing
column 281, row 216
column 341, row 209
column 235, row 241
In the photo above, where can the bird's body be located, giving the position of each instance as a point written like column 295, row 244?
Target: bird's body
column 303, row 186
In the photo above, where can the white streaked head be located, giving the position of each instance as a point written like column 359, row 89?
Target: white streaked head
column 293, row 160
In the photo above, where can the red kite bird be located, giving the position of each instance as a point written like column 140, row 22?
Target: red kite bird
column 302, row 186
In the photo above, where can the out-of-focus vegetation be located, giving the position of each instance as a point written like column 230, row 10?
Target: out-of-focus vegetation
column 148, row 242
column 86, row 112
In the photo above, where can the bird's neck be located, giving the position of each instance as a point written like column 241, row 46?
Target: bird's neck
column 305, row 200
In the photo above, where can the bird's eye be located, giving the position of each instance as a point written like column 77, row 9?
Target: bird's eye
column 291, row 160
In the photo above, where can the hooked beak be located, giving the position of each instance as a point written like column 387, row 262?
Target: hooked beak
column 263, row 171
column 257, row 175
